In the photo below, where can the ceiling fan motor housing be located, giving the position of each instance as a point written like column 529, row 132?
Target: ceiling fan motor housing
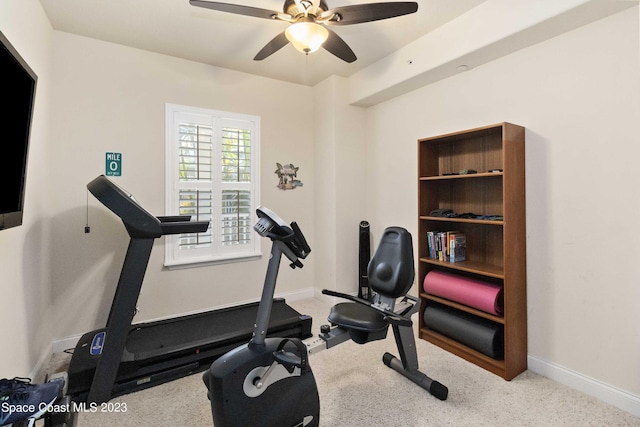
column 291, row 8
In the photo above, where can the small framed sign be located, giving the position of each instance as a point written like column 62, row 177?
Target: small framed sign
column 113, row 164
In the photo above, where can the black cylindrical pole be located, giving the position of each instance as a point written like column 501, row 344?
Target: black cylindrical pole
column 363, row 261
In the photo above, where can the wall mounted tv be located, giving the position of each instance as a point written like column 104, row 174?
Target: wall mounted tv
column 18, row 87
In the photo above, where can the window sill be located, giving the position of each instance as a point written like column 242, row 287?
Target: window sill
column 207, row 262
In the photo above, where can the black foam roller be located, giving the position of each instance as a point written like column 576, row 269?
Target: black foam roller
column 475, row 332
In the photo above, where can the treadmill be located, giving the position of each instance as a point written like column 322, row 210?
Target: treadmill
column 123, row 357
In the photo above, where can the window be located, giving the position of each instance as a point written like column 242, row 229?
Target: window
column 212, row 173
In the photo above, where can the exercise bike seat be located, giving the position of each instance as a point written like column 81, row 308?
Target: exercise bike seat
column 363, row 322
column 391, row 274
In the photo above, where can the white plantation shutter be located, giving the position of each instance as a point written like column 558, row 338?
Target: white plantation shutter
column 235, row 162
column 237, row 225
column 195, row 152
column 212, row 175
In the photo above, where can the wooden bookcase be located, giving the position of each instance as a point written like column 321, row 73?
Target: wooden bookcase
column 496, row 249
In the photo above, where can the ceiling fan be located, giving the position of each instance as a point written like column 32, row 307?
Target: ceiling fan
column 309, row 20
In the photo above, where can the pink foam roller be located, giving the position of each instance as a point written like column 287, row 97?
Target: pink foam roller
column 474, row 293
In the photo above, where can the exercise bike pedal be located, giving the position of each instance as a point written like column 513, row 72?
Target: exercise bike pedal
column 288, row 360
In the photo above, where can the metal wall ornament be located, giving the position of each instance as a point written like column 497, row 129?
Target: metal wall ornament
column 287, row 175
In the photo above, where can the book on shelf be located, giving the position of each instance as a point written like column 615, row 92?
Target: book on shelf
column 447, row 246
column 457, row 247
column 436, row 243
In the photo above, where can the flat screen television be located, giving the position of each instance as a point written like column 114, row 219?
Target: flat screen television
column 18, row 88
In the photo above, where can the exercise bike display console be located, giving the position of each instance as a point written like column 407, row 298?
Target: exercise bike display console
column 122, row 357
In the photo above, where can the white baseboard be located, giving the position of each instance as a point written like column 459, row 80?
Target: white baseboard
column 605, row 392
column 61, row 344
column 297, row 295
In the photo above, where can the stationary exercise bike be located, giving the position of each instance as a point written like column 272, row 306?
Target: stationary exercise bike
column 264, row 382
column 268, row 381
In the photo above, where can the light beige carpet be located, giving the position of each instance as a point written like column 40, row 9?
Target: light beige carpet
column 357, row 389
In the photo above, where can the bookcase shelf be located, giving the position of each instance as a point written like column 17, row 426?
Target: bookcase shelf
column 498, row 367
column 462, row 307
column 468, row 266
column 463, row 220
column 464, row 176
column 495, row 249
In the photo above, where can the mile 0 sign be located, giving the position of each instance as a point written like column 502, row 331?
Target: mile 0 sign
column 113, row 164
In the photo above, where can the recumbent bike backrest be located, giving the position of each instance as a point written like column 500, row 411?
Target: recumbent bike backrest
column 391, row 271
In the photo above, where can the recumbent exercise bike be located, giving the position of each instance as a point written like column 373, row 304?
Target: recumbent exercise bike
column 268, row 381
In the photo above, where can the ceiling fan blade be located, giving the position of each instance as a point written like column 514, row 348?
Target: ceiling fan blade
column 237, row 9
column 277, row 43
column 338, row 47
column 359, row 13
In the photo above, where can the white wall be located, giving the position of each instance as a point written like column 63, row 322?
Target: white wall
column 24, row 251
column 340, row 204
column 111, row 98
column 578, row 95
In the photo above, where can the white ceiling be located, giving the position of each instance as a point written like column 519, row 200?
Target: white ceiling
column 175, row 28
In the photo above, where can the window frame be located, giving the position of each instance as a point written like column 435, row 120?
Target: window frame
column 217, row 253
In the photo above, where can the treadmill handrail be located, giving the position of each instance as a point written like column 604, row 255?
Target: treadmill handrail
column 184, row 227
column 174, row 218
column 138, row 222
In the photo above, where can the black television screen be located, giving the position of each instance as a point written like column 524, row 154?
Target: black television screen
column 18, row 86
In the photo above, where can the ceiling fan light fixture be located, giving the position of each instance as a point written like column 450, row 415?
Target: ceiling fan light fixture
column 307, row 37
